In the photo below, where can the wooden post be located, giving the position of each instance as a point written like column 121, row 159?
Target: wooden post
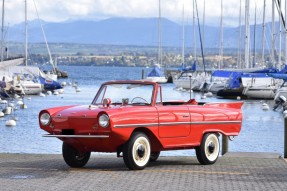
column 142, row 74
column 285, row 136
column 224, row 149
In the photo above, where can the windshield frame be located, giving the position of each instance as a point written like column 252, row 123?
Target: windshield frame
column 140, row 83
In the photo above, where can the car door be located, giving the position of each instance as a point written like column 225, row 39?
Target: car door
column 174, row 121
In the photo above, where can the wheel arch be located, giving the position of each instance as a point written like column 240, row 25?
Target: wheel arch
column 154, row 142
column 217, row 132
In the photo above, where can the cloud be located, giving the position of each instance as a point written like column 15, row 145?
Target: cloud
column 59, row 10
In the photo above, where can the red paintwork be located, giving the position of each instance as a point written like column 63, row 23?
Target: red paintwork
column 158, row 120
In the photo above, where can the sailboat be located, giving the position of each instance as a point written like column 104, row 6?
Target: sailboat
column 31, row 78
column 184, row 80
column 263, row 85
column 157, row 75
column 190, row 78
column 219, row 78
column 7, row 86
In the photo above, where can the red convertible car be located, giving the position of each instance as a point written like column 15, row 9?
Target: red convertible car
column 131, row 119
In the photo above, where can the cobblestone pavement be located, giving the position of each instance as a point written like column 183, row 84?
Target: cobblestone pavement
column 106, row 172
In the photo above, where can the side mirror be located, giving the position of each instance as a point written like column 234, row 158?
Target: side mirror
column 107, row 102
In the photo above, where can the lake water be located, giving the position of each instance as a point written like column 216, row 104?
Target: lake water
column 262, row 131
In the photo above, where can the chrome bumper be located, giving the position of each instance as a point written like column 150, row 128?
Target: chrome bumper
column 76, row 136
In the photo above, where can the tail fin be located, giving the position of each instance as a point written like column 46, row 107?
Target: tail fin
column 235, row 105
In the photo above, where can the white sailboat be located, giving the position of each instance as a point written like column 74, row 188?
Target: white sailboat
column 30, row 86
column 260, row 86
column 157, row 75
column 24, row 76
column 218, row 82
column 184, row 80
column 260, row 92
column 190, row 78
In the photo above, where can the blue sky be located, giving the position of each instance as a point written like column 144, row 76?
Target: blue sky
column 61, row 10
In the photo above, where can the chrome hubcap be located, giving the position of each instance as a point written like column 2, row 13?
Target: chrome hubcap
column 140, row 151
column 211, row 147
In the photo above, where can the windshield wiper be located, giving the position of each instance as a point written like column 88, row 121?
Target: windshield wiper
column 140, row 103
column 116, row 103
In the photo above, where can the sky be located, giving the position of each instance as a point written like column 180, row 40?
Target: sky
column 69, row 10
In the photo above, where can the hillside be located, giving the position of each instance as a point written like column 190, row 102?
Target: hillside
column 130, row 31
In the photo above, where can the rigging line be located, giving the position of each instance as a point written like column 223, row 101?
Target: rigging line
column 267, row 44
column 277, row 3
column 203, row 61
column 44, row 35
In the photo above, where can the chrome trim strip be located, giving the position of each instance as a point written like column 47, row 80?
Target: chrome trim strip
column 177, row 123
column 136, row 125
column 77, row 136
column 215, row 122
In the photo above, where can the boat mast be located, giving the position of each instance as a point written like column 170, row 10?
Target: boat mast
column 159, row 35
column 2, row 30
column 221, row 40
column 194, row 32
column 285, row 29
column 280, row 28
column 247, row 33
column 254, row 40
column 200, row 39
column 7, row 44
column 203, row 26
column 239, row 39
column 282, row 22
column 182, row 53
column 263, row 33
column 273, row 33
column 26, row 36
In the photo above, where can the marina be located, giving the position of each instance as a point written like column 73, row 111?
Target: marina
column 262, row 130
column 142, row 98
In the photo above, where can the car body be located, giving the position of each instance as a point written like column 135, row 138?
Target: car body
column 131, row 119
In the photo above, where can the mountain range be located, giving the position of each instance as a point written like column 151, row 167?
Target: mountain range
column 134, row 31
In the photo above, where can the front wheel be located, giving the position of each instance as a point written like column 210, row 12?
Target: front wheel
column 208, row 151
column 73, row 157
column 136, row 151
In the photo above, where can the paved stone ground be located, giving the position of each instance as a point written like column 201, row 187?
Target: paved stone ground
column 106, row 172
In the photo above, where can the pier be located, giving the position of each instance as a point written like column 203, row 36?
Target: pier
column 233, row 171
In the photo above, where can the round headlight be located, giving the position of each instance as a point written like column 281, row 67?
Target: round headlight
column 104, row 121
column 45, row 119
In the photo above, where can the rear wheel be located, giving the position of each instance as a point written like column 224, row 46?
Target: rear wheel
column 208, row 151
column 136, row 151
column 154, row 156
column 73, row 157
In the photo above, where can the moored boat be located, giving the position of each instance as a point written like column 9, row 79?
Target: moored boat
column 156, row 75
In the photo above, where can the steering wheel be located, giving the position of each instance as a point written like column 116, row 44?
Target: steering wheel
column 139, row 98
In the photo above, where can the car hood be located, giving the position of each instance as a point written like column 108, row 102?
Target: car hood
column 79, row 111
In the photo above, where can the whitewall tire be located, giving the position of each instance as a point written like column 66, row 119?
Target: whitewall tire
column 208, row 151
column 136, row 152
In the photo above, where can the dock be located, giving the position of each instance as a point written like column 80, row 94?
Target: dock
column 233, row 171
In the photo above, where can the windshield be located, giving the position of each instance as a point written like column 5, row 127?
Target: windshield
column 123, row 94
